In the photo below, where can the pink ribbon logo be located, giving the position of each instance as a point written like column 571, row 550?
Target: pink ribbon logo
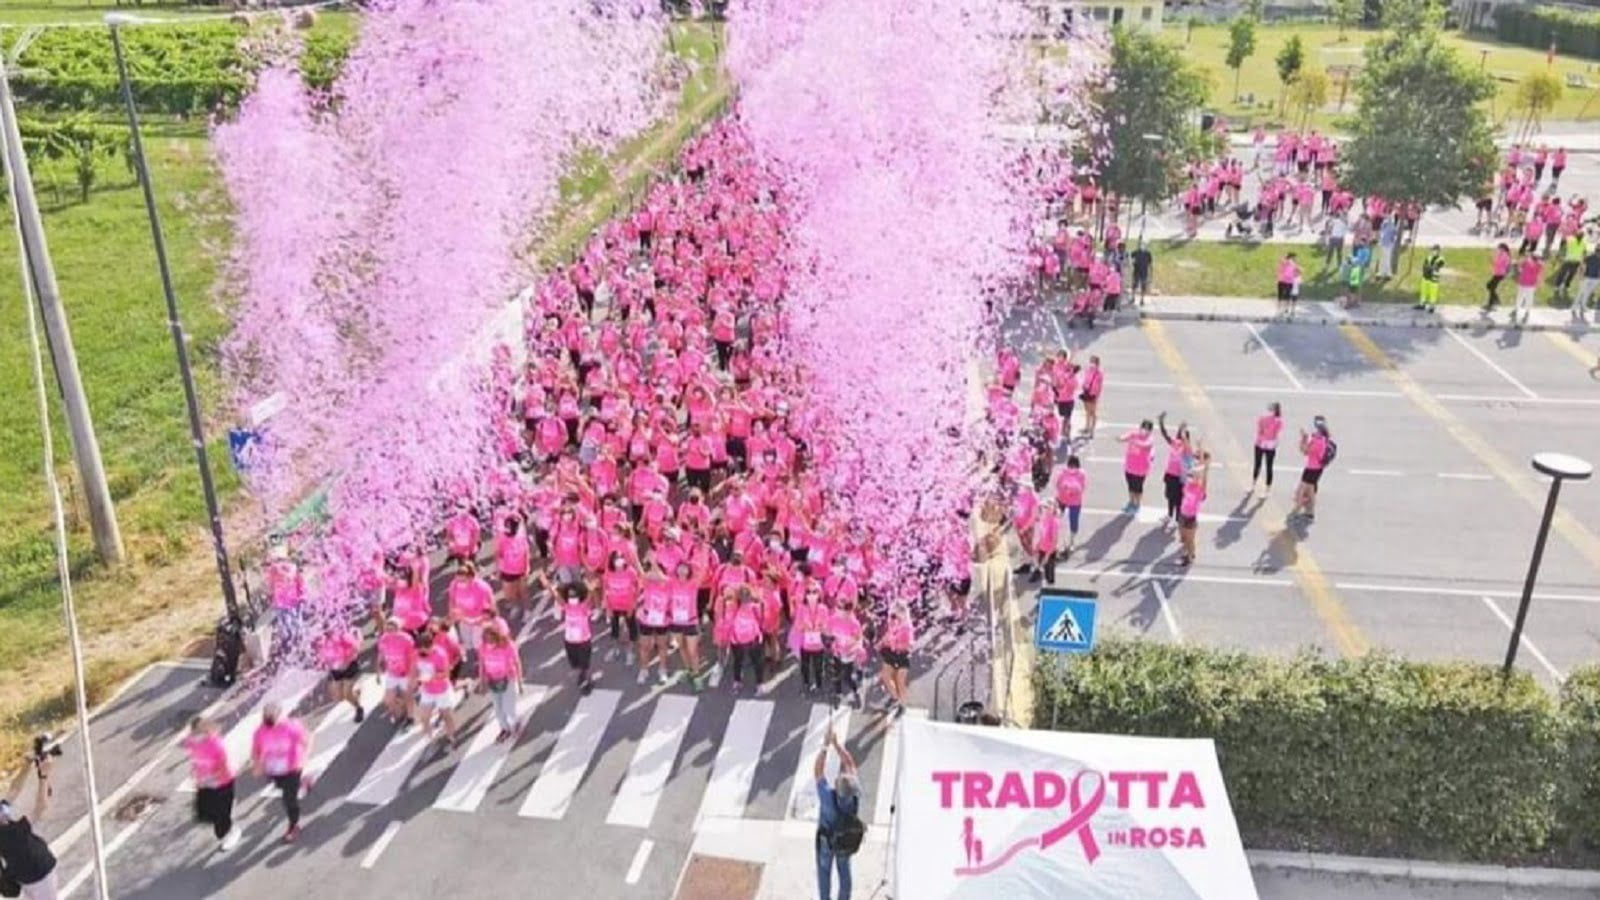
column 1077, row 822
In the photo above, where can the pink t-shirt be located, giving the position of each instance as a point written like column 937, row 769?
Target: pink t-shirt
column 1136, row 459
column 1069, row 487
column 498, row 661
column 1267, row 430
column 433, row 670
column 470, row 601
column 279, row 748
column 1529, row 271
column 511, row 550
column 397, row 651
column 575, row 625
column 1193, row 494
column 1316, row 449
column 338, row 650
column 208, row 760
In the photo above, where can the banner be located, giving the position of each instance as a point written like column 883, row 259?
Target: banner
column 1001, row 812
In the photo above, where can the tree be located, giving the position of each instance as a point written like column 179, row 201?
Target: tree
column 1421, row 135
column 1347, row 13
column 1307, row 94
column 1150, row 95
column 1537, row 94
column 1290, row 60
column 1241, row 45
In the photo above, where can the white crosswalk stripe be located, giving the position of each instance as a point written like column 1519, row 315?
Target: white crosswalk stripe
column 388, row 773
column 652, row 762
column 803, row 792
column 735, row 767
column 287, row 689
column 470, row 781
column 552, row 791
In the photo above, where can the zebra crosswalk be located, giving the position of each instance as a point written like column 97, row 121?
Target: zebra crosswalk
column 729, row 756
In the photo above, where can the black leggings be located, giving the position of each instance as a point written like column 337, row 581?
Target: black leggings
column 844, row 677
column 289, row 785
column 811, row 667
column 617, row 621
column 1174, row 486
column 1267, row 456
column 747, row 653
column 215, row 805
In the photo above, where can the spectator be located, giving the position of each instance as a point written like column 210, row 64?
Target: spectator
column 839, row 829
column 1143, row 260
column 25, row 859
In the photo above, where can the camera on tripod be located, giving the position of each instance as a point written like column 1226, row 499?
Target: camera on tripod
column 45, row 745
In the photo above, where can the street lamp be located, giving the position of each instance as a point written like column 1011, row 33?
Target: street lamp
column 180, row 340
column 1560, row 467
column 1153, row 140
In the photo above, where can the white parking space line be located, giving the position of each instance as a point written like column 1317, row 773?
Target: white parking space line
column 470, row 781
column 734, row 769
column 1258, row 389
column 1492, row 364
column 803, row 791
column 1166, row 611
column 1378, row 473
column 883, row 805
column 1526, row 643
column 1125, row 568
column 1542, row 401
column 552, row 792
column 1262, row 343
column 1466, row 476
column 379, row 845
column 640, row 856
column 635, row 803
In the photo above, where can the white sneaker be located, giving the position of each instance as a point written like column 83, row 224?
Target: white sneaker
column 644, row 675
column 229, row 840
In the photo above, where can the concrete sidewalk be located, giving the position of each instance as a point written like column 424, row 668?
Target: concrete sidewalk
column 1248, row 309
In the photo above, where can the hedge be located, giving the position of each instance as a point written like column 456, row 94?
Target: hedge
column 1372, row 756
column 1574, row 33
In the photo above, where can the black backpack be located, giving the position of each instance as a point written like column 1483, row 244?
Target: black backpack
column 847, row 834
column 1329, row 454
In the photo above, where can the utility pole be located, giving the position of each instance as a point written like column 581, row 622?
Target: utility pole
column 75, row 406
column 180, row 340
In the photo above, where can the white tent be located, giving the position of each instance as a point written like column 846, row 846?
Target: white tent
column 997, row 812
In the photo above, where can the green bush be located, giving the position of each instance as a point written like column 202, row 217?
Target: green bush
column 1580, row 796
column 1573, row 32
column 1373, row 755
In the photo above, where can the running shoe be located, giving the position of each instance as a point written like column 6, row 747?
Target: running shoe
column 644, row 675
column 662, row 678
column 290, row 835
column 229, row 841
column 361, row 714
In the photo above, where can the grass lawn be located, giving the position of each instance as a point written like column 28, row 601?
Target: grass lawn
column 1240, row 269
column 1207, row 47
column 167, row 595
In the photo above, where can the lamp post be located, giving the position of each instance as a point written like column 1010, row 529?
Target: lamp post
column 1154, row 140
column 180, row 340
column 1560, row 467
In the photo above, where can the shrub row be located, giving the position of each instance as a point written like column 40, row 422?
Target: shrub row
column 1573, row 32
column 189, row 69
column 1374, row 755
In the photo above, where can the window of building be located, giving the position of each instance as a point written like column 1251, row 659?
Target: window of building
column 1144, row 13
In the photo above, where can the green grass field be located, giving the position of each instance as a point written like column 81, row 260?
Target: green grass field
column 1207, row 48
column 111, row 290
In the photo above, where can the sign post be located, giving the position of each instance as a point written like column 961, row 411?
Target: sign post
column 1065, row 624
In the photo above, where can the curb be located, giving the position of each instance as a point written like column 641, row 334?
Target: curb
column 1423, row 870
column 1359, row 321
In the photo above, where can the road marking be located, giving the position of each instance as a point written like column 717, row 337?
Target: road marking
column 112, row 846
column 1465, row 476
column 635, row 803
column 1381, row 473
column 334, row 731
column 803, row 790
column 636, row 868
column 1256, row 388
column 1255, row 333
column 388, row 773
column 1540, row 401
column 470, row 781
column 734, row 769
column 1569, row 345
column 1061, row 337
column 552, row 791
column 1333, row 310
column 1525, row 641
column 1492, row 364
column 1135, row 567
column 379, row 845
column 1166, row 610
column 883, row 805
column 1307, row 574
column 288, row 689
column 1528, row 489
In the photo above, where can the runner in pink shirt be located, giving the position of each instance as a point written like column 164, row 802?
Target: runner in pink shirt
column 430, row 677
column 1070, row 485
column 1530, row 269
column 501, row 667
column 576, row 615
column 1045, row 537
column 1136, row 462
column 1194, row 493
column 1317, row 445
column 894, row 647
column 213, row 780
column 683, row 612
column 745, row 630
column 1499, row 268
column 1268, row 427
column 461, row 534
column 337, row 652
column 654, row 616
column 619, row 594
column 471, row 605
column 278, row 751
column 512, row 556
column 397, row 653
column 1094, row 383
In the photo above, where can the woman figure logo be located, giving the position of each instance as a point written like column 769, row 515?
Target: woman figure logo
column 973, row 845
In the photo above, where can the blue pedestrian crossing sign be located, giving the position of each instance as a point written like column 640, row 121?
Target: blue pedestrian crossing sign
column 1066, row 620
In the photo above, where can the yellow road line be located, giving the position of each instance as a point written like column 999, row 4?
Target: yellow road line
column 1517, row 478
column 1570, row 345
column 1217, row 435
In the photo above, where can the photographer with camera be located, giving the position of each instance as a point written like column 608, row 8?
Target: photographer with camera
column 27, row 867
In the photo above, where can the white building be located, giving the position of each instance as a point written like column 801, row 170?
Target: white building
column 1057, row 15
